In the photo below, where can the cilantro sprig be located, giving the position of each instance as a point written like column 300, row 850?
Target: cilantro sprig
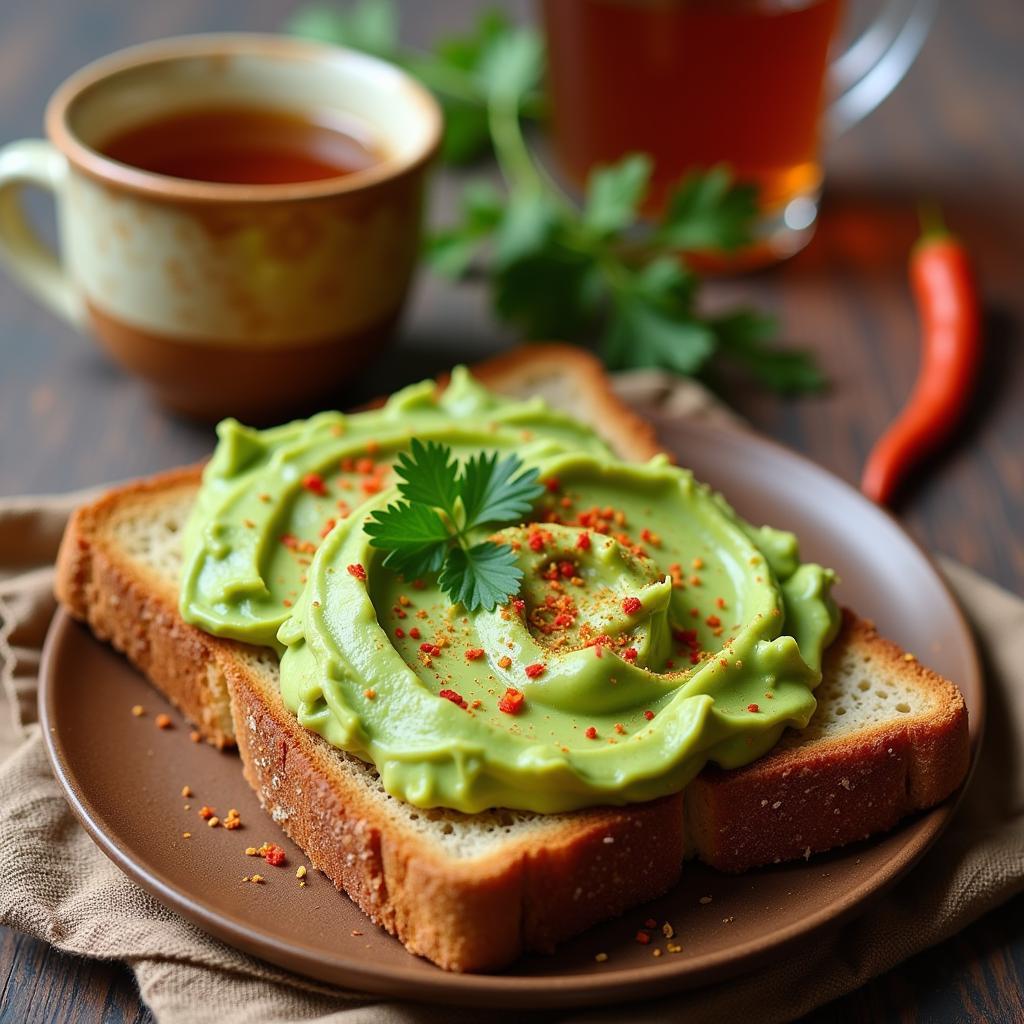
column 431, row 530
column 593, row 273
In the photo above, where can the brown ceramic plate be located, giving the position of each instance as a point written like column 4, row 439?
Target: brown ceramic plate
column 124, row 777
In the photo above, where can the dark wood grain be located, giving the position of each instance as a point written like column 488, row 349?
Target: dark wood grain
column 952, row 133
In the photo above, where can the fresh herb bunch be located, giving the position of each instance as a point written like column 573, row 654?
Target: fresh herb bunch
column 560, row 271
column 430, row 531
column 457, row 69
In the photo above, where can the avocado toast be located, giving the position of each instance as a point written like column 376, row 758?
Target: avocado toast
column 472, row 891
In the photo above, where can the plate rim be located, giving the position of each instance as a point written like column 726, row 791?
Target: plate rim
column 577, row 989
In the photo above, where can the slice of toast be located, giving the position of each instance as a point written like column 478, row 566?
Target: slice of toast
column 472, row 892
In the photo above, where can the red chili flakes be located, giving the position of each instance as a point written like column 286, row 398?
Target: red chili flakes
column 630, row 654
column 650, row 537
column 474, row 653
column 719, row 602
column 400, row 633
column 567, row 570
column 206, row 813
column 356, row 570
column 273, row 855
column 650, row 923
column 314, row 483
column 620, row 728
column 519, row 605
column 536, row 540
column 371, row 486
column 512, row 702
column 591, row 733
column 454, row 697
column 553, row 484
column 292, row 543
column 364, row 466
column 753, row 709
column 643, row 938
column 698, row 563
column 432, row 649
column 583, row 542
column 328, row 526
column 504, row 661
column 648, row 715
column 713, row 621
column 535, row 670
column 415, row 633
column 631, row 605
column 163, row 721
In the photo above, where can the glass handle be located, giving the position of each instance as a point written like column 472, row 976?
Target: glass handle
column 876, row 61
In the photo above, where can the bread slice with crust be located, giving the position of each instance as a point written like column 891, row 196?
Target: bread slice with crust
column 473, row 892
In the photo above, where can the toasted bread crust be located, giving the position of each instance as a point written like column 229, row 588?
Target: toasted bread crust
column 801, row 800
column 138, row 614
column 467, row 914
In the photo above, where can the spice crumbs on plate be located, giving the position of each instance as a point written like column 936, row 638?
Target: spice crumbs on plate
column 705, row 899
column 650, row 923
column 668, row 931
column 186, row 791
column 601, row 958
column 655, row 952
column 138, row 710
column 163, row 721
column 213, row 822
column 300, row 871
column 186, row 835
column 673, row 947
column 194, row 736
column 233, row 820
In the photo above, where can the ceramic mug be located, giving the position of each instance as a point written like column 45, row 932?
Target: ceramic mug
column 227, row 299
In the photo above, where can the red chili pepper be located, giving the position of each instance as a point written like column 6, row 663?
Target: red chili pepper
column 947, row 298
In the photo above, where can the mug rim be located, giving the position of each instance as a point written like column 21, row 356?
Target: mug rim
column 166, row 187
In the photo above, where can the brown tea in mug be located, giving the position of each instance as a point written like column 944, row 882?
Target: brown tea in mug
column 242, row 146
column 693, row 83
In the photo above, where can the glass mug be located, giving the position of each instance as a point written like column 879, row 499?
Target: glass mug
column 700, row 82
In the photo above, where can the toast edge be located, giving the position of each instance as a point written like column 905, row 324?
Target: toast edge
column 848, row 790
column 468, row 915
column 138, row 619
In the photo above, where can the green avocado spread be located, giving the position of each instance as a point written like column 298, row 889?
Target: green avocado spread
column 654, row 629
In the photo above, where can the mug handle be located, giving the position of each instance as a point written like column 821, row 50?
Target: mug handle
column 30, row 260
column 876, row 61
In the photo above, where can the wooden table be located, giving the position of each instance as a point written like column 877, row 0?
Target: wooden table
column 952, row 132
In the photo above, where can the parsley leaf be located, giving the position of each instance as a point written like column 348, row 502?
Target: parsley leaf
column 614, row 194
column 743, row 336
column 492, row 493
column 431, row 530
column 460, row 69
column 482, row 576
column 370, row 26
column 709, row 213
column 415, row 536
column 428, row 475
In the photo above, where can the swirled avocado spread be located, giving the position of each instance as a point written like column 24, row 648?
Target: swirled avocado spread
column 653, row 631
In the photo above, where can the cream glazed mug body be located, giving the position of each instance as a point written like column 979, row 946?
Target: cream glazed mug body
column 228, row 299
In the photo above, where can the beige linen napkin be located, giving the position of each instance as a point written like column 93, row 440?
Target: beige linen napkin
column 55, row 884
